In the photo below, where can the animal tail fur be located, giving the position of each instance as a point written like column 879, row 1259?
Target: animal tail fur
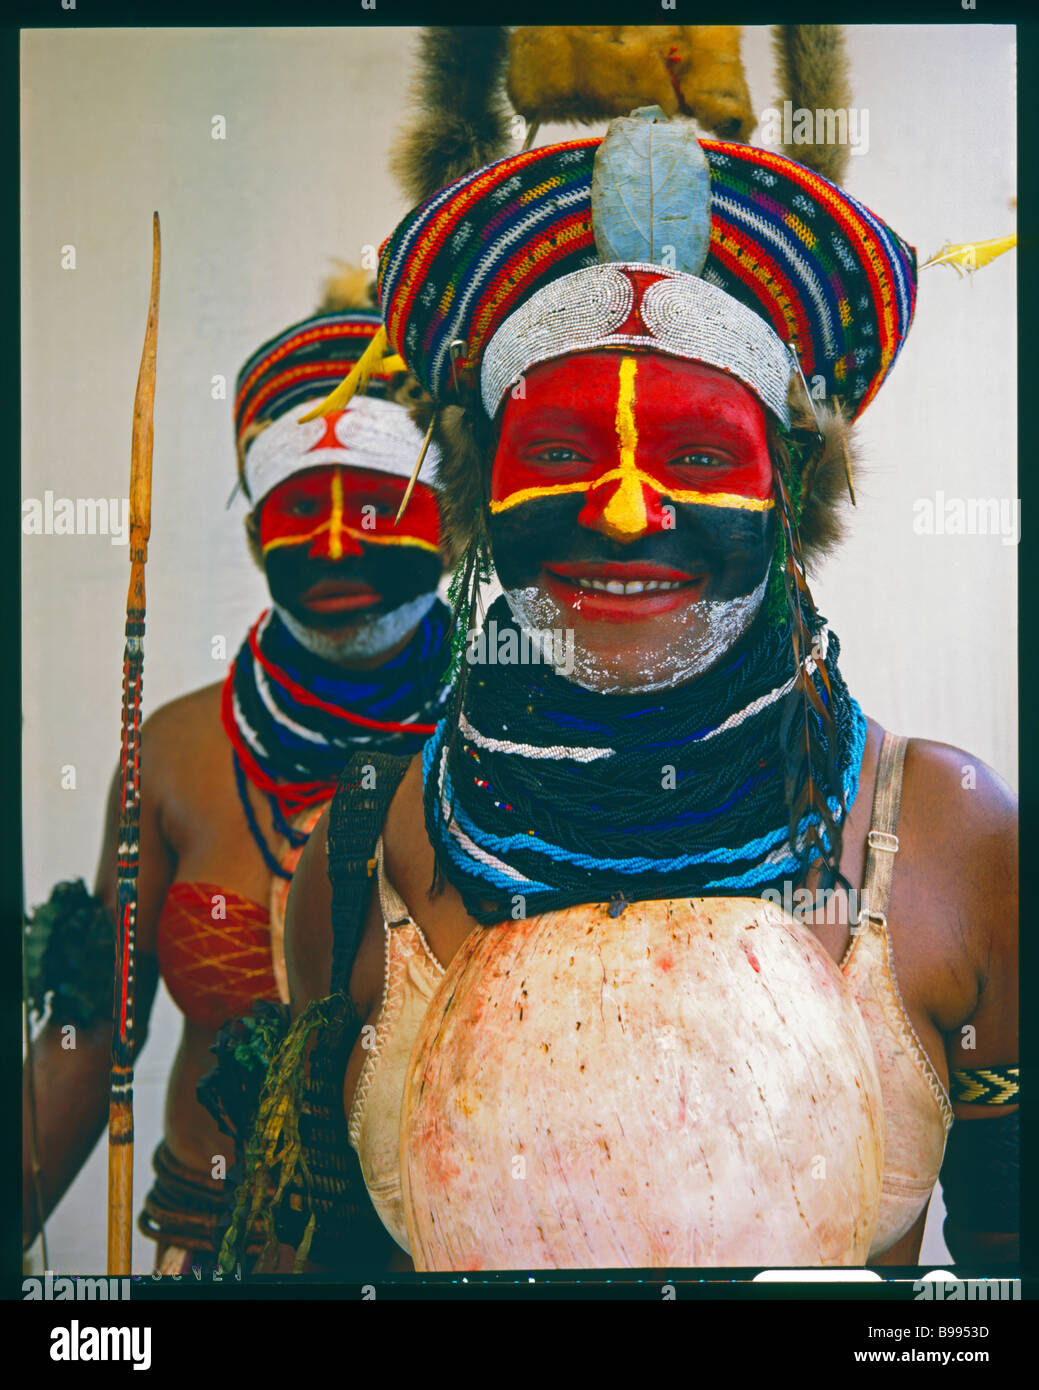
column 813, row 74
column 461, row 120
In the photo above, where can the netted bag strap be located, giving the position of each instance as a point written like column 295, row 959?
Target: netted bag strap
column 347, row 1232
column 303, row 1182
column 366, row 788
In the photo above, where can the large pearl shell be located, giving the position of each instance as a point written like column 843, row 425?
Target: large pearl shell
column 687, row 1084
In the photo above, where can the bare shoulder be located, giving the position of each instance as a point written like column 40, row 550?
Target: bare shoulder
column 179, row 743
column 962, row 815
column 404, row 829
column 410, row 862
column 308, row 922
column 186, row 715
column 183, row 733
column 958, row 862
column 411, row 866
column 957, row 786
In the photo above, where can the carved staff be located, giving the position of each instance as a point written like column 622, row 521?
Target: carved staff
column 120, row 1104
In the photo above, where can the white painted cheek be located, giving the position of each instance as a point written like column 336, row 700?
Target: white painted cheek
column 708, row 630
column 711, row 628
column 368, row 639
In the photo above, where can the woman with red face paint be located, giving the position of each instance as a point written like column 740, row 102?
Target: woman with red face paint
column 349, row 659
column 677, row 959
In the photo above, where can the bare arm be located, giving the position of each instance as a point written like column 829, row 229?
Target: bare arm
column 308, row 923
column 72, row 1065
column 980, row 851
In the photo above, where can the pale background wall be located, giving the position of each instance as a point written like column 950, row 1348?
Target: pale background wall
column 118, row 123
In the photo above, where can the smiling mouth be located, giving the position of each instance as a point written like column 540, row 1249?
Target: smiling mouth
column 632, row 586
column 616, row 591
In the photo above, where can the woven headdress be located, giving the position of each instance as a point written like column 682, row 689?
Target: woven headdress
column 707, row 250
column 298, row 368
column 808, row 260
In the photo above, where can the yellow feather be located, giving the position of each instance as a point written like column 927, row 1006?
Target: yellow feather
column 970, row 255
column 355, row 381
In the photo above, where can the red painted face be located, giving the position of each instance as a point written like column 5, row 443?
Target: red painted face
column 335, row 511
column 332, row 553
column 631, row 432
column 631, row 499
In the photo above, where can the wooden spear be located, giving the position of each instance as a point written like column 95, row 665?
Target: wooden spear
column 120, row 1100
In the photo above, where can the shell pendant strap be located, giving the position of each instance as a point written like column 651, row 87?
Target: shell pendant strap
column 120, row 1101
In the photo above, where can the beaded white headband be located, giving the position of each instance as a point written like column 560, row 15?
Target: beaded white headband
column 684, row 315
column 368, row 434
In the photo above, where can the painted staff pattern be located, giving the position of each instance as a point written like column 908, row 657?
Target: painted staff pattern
column 120, row 1096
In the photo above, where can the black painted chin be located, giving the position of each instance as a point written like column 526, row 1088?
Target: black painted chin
column 290, row 575
column 732, row 546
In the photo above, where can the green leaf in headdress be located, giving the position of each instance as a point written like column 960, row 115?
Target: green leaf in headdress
column 651, row 193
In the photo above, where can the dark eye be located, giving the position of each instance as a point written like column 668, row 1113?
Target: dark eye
column 305, row 506
column 698, row 461
column 559, row 453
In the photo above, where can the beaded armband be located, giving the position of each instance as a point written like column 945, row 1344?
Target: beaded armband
column 984, row 1086
column 70, row 957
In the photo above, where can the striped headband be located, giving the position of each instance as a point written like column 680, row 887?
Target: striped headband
column 297, row 368
column 825, row 275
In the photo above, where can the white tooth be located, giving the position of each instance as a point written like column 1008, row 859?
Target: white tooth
column 598, row 584
column 635, row 587
column 615, row 587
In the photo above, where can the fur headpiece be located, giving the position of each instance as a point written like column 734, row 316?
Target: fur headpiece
column 589, row 73
column 462, row 121
column 812, row 67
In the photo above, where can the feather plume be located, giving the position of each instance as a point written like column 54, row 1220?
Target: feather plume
column 348, row 287
column 823, row 472
column 462, row 121
column 807, row 731
column 355, row 380
column 969, row 256
column 812, row 72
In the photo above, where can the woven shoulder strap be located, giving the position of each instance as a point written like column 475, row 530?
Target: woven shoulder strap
column 883, row 841
column 355, row 821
